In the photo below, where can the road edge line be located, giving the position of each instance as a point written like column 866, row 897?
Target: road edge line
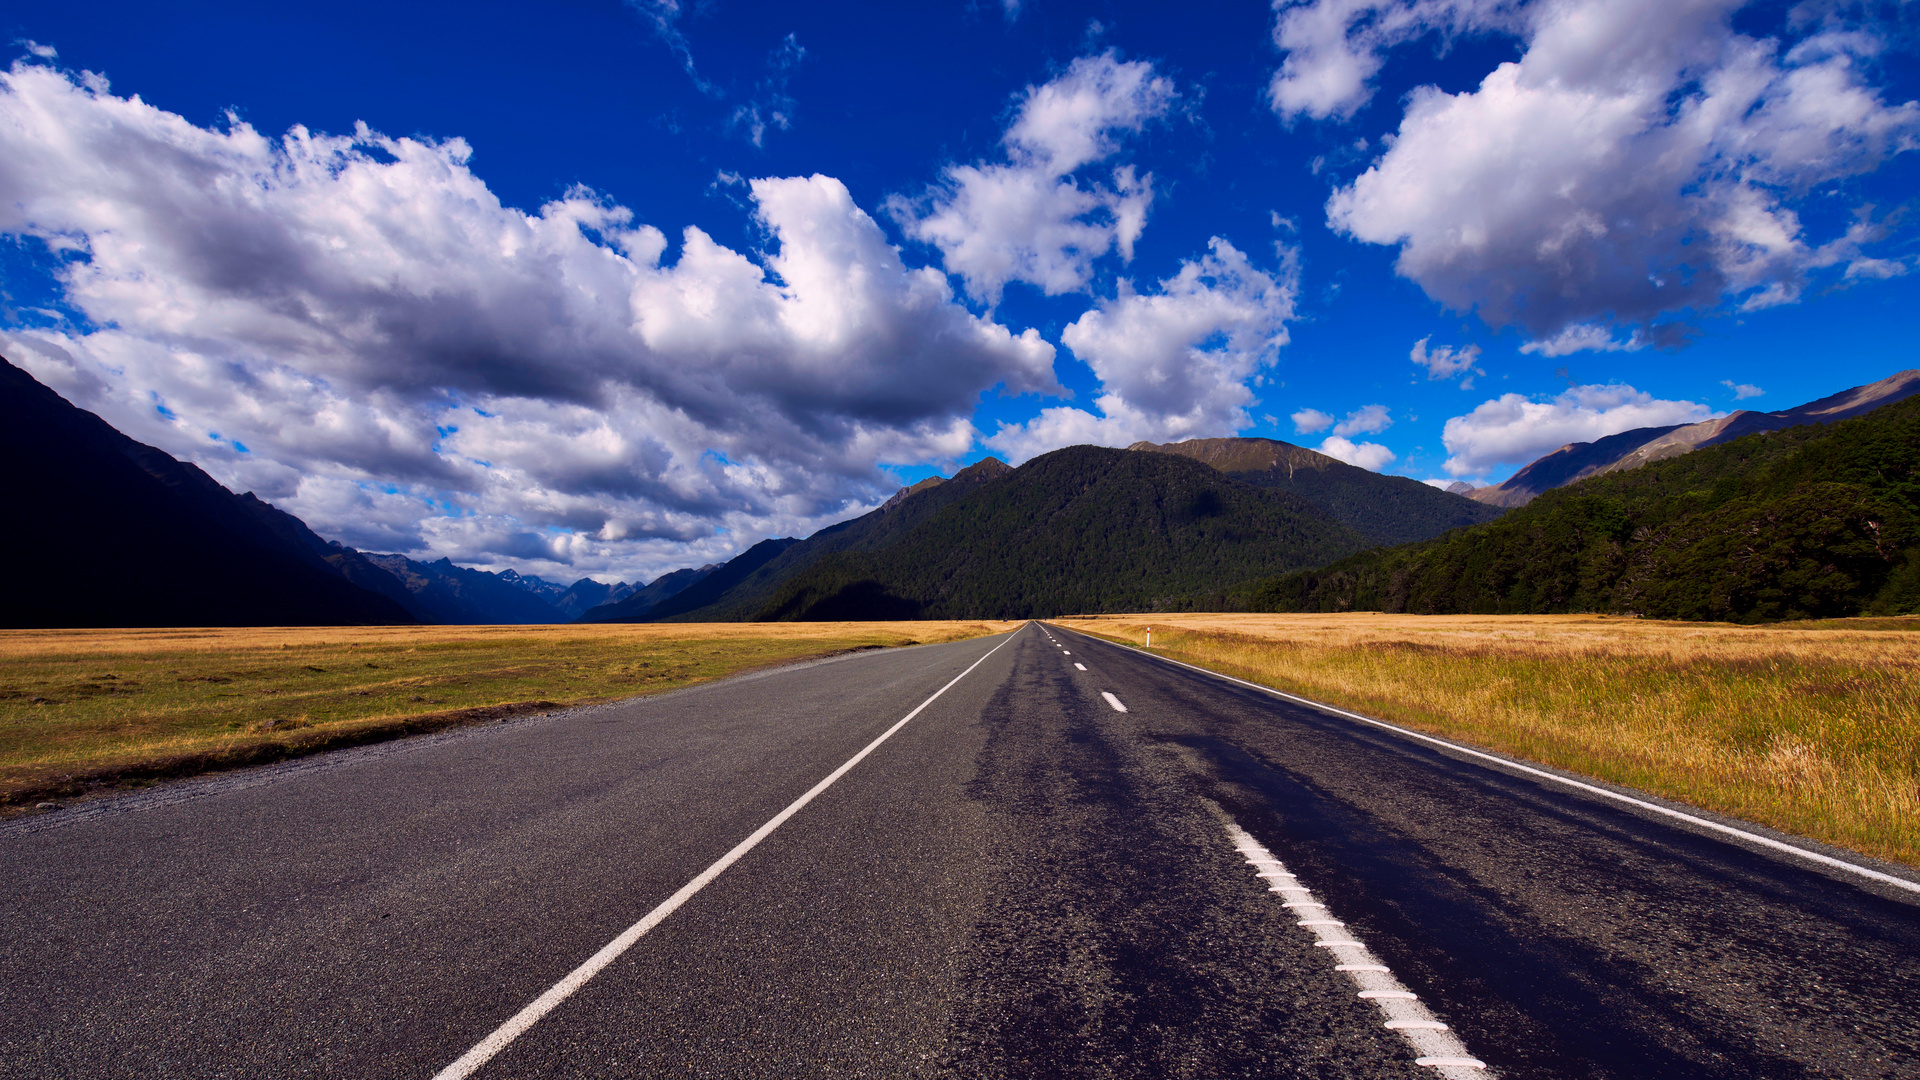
column 518, row 1024
column 1705, row 823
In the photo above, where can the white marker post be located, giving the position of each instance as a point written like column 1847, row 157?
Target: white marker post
column 1149, row 637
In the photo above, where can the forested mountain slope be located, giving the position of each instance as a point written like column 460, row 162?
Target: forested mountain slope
column 742, row 595
column 1811, row 521
column 1084, row 529
column 1632, row 449
column 1384, row 509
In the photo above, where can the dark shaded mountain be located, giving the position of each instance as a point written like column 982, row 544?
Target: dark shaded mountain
column 697, row 594
column 1084, row 529
column 909, row 507
column 570, row 601
column 1641, row 446
column 459, row 595
column 441, row 592
column 586, row 594
column 634, row 606
column 1384, row 509
column 1818, row 520
column 106, row 531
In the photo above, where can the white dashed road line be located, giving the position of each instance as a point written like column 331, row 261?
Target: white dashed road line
column 1079, row 665
column 1113, row 701
column 518, row 1024
column 1437, row 1047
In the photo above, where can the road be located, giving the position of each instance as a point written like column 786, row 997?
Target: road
column 1020, row 881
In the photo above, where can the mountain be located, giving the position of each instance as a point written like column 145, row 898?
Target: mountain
column 909, row 507
column 458, row 595
column 107, row 531
column 1632, row 449
column 582, row 596
column 1817, row 520
column 1384, row 509
column 639, row 602
column 1084, row 529
column 691, row 594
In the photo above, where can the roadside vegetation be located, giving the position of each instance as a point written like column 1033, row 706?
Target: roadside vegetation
column 1809, row 727
column 82, row 710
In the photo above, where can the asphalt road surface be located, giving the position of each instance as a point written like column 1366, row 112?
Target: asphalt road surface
column 1021, row 881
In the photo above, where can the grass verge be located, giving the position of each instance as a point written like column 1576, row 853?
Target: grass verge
column 87, row 710
column 1812, row 728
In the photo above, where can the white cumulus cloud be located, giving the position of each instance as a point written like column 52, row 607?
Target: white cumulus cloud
column 1334, row 48
column 1584, row 337
column 1174, row 363
column 1641, row 161
column 1445, row 361
column 358, row 329
column 1366, row 455
column 1366, row 420
column 1513, row 430
column 1308, row 421
column 1031, row 219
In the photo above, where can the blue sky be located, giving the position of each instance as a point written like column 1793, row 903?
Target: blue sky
column 1434, row 237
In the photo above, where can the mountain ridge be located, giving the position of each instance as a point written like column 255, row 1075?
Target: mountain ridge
column 1813, row 521
column 906, row 509
column 1080, row 529
column 1385, row 509
column 1642, row 446
column 124, row 534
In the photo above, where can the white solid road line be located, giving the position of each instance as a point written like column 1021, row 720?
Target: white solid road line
column 1504, row 763
column 560, row 991
column 1113, row 701
column 1435, row 1046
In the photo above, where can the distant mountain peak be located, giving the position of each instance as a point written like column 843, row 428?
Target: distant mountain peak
column 1641, row 446
column 987, row 468
column 906, row 493
column 1246, row 454
column 1385, row 509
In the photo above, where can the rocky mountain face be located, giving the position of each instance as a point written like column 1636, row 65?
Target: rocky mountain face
column 118, row 533
column 1384, row 509
column 1632, row 449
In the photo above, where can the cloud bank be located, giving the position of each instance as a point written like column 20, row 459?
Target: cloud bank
column 357, row 328
column 1642, row 162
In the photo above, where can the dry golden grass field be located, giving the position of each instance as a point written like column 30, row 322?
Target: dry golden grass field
column 1813, row 728
column 83, row 710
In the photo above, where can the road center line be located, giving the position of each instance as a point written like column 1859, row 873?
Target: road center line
column 1436, row 1047
column 1113, row 701
column 1591, row 789
column 518, row 1024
